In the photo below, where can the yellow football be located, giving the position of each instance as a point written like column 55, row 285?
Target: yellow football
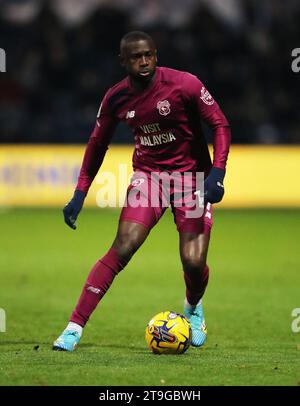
column 168, row 333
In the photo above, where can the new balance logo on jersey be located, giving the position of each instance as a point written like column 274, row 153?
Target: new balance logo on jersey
column 130, row 114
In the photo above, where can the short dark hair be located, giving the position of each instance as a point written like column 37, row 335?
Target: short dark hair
column 133, row 36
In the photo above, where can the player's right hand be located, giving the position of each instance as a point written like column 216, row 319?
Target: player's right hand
column 72, row 209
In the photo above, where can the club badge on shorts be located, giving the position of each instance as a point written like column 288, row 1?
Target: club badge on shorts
column 163, row 107
column 137, row 182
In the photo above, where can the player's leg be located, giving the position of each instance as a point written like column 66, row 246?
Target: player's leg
column 129, row 238
column 193, row 253
column 134, row 226
column 194, row 233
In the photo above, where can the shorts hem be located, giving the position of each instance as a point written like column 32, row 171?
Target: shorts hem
column 134, row 220
column 204, row 228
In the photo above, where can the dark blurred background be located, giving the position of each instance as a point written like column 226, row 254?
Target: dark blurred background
column 62, row 55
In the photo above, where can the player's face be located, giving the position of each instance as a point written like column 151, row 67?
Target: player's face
column 139, row 59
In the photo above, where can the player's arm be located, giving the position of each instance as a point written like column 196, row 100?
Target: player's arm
column 213, row 184
column 211, row 113
column 92, row 160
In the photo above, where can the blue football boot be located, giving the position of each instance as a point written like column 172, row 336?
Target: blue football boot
column 67, row 341
column 196, row 318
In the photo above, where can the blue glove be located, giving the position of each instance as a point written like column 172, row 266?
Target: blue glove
column 213, row 186
column 72, row 209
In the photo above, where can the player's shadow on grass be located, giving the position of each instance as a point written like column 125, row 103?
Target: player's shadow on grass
column 33, row 343
column 37, row 344
column 139, row 349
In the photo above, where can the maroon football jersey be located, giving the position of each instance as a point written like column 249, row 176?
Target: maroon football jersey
column 166, row 122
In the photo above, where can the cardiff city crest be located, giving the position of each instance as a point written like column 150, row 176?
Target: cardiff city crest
column 163, row 107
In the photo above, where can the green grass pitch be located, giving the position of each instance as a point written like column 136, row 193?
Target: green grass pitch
column 254, row 286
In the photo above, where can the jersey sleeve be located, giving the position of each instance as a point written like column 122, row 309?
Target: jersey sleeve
column 97, row 145
column 200, row 100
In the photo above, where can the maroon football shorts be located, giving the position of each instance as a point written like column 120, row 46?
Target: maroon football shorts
column 149, row 195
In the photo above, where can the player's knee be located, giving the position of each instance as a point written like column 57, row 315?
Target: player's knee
column 126, row 244
column 193, row 263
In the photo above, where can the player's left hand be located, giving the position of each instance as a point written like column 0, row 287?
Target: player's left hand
column 72, row 209
column 213, row 186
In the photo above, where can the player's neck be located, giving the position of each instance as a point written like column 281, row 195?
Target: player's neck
column 140, row 86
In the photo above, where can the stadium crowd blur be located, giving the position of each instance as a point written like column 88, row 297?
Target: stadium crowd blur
column 62, row 55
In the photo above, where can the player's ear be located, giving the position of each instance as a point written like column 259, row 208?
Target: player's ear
column 122, row 60
column 155, row 55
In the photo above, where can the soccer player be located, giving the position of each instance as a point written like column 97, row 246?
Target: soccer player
column 164, row 107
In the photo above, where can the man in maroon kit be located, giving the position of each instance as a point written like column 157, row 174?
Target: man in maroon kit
column 164, row 108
